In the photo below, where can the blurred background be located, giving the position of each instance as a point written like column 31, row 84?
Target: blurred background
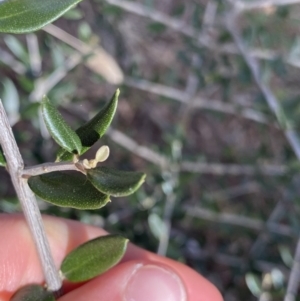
column 209, row 109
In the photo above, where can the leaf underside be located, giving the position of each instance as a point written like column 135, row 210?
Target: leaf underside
column 23, row 16
column 59, row 129
column 115, row 182
column 32, row 292
column 68, row 189
column 94, row 129
column 93, row 258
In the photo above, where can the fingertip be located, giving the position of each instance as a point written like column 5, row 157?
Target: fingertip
column 198, row 287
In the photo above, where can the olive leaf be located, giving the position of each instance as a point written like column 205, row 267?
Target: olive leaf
column 32, row 292
column 59, row 129
column 115, row 182
column 11, row 100
column 68, row 189
column 93, row 258
column 23, row 16
column 94, row 129
column 2, row 158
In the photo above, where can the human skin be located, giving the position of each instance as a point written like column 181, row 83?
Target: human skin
column 140, row 276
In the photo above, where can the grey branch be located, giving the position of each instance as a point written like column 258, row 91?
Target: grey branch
column 28, row 202
column 154, row 15
column 233, row 169
column 218, row 169
column 241, row 221
column 293, row 284
column 196, row 102
column 44, row 85
column 234, row 261
column 278, row 213
column 259, row 5
column 99, row 61
column 233, row 192
column 10, row 61
column 142, row 151
column 34, row 54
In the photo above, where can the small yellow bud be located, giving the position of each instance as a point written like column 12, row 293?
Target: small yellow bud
column 102, row 153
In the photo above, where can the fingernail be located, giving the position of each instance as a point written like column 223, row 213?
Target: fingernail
column 154, row 283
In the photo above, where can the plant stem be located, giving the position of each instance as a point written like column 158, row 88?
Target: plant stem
column 293, row 283
column 31, row 211
column 51, row 167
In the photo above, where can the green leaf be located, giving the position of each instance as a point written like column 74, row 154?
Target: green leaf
column 23, row 16
column 73, row 14
column 115, row 182
column 157, row 226
column 286, row 255
column 59, row 129
column 84, row 31
column 32, row 292
column 68, row 189
column 254, row 284
column 11, row 101
column 2, row 158
column 94, row 129
column 93, row 258
column 17, row 48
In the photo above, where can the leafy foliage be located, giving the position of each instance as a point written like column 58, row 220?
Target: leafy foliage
column 22, row 16
column 115, row 182
column 72, row 189
column 32, row 292
column 93, row 258
column 59, row 129
column 94, row 129
column 68, row 189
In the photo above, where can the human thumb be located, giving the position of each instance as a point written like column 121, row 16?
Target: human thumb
column 146, row 281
